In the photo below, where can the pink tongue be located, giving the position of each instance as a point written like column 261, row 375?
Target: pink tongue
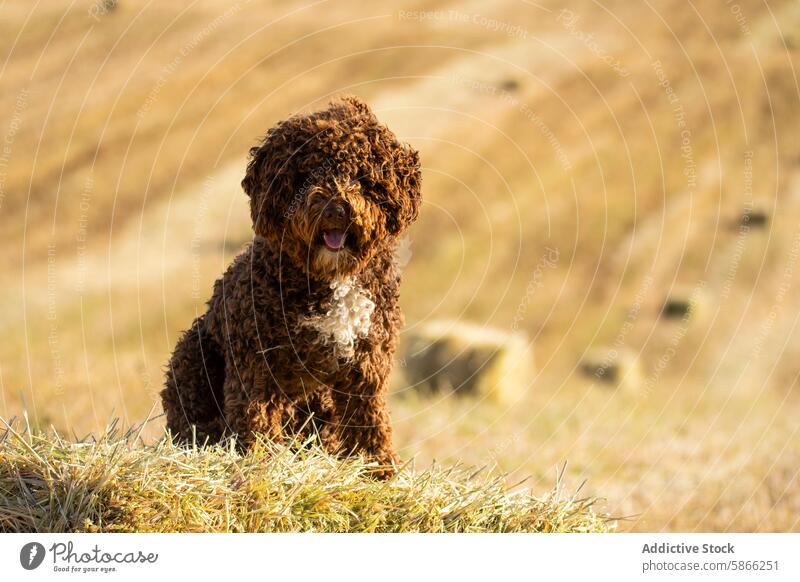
column 334, row 239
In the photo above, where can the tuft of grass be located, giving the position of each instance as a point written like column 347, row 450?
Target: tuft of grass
column 117, row 484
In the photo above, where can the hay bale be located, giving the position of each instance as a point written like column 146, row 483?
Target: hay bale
column 677, row 308
column 464, row 358
column 683, row 304
column 617, row 368
column 754, row 218
column 509, row 85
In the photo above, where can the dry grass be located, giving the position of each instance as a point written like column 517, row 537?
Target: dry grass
column 113, row 485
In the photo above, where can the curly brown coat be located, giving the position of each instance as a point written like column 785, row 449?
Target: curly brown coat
column 302, row 327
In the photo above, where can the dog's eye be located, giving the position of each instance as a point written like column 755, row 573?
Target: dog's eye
column 302, row 183
column 375, row 192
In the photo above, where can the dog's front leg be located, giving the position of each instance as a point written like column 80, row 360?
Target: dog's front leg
column 250, row 410
column 364, row 424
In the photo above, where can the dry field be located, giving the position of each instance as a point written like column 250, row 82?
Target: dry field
column 581, row 167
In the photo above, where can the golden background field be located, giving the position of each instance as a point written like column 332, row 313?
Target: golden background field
column 623, row 138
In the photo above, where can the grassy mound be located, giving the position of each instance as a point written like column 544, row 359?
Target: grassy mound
column 48, row 484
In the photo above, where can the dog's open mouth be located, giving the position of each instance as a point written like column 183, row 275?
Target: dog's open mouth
column 334, row 239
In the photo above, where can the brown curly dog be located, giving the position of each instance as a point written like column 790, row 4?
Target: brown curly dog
column 302, row 327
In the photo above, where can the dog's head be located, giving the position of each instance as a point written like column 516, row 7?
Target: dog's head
column 332, row 188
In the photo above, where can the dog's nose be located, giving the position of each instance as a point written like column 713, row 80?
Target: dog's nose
column 333, row 210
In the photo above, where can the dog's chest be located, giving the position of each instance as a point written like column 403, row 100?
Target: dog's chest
column 342, row 318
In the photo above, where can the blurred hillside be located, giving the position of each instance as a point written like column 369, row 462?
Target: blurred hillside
column 582, row 166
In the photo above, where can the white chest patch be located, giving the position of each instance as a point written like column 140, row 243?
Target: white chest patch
column 346, row 317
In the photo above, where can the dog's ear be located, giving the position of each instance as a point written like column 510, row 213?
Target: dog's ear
column 267, row 181
column 405, row 202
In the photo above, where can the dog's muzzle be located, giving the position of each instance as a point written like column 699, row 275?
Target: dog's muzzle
column 334, row 239
column 334, row 226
